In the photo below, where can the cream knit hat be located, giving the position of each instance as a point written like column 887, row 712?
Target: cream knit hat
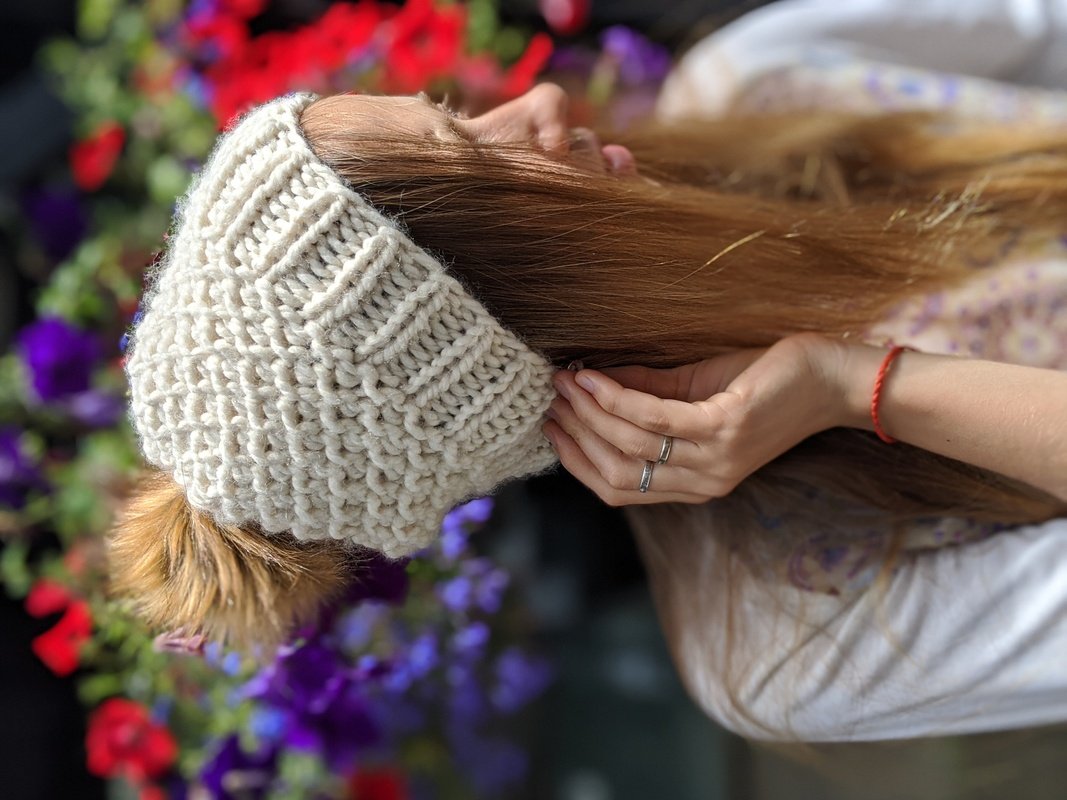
column 302, row 364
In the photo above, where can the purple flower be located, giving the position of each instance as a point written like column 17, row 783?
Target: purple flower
column 357, row 626
column 58, row 220
column 467, row 703
column 268, row 723
column 233, row 774
column 93, row 408
column 379, row 578
column 491, row 765
column 306, row 678
column 457, row 594
column 640, row 60
column 457, row 524
column 519, row 679
column 339, row 733
column 479, row 582
column 19, row 475
column 323, row 709
column 59, row 357
column 470, row 641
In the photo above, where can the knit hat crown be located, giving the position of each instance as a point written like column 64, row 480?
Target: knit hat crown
column 302, row 364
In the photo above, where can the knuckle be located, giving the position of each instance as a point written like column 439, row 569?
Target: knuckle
column 654, row 420
column 616, row 477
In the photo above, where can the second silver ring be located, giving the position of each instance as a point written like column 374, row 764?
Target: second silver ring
column 646, row 476
column 665, row 449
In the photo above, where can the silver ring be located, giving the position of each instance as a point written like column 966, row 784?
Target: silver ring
column 665, row 450
column 646, row 476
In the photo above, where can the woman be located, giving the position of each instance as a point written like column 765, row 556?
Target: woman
column 304, row 366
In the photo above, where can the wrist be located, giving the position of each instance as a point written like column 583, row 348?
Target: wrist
column 858, row 374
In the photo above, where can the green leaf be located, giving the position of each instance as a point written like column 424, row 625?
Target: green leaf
column 14, row 568
column 95, row 17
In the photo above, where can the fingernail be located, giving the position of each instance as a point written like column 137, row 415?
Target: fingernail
column 549, row 435
column 585, row 382
column 551, row 413
column 563, row 388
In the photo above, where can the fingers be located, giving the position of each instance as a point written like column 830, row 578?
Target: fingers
column 624, row 437
column 666, row 383
column 576, row 462
column 680, row 419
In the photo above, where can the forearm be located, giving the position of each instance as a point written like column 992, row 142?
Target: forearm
column 1002, row 417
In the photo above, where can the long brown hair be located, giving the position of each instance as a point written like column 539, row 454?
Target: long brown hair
column 739, row 232
column 736, row 234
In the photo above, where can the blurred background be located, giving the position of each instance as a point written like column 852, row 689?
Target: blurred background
column 545, row 676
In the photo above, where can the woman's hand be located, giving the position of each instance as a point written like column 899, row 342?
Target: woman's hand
column 728, row 416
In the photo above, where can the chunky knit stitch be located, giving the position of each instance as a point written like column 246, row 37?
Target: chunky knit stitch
column 303, row 365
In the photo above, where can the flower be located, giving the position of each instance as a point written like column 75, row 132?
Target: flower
column 377, row 783
column 324, row 711
column 94, row 409
column 58, row 220
column 19, row 474
column 92, row 159
column 233, row 774
column 565, row 17
column 122, row 740
column 47, row 597
column 60, row 646
column 379, row 578
column 639, row 59
column 520, row 76
column 60, row 357
column 519, row 679
column 426, row 43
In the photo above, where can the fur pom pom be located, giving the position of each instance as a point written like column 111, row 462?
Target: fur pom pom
column 233, row 584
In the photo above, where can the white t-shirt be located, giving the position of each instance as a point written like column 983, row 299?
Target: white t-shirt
column 964, row 639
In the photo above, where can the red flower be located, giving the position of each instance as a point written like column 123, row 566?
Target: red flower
column 245, row 9
column 92, row 159
column 520, row 76
column 565, row 17
column 382, row 783
column 151, row 792
column 47, row 597
column 123, row 741
column 425, row 44
column 60, row 646
column 216, row 37
column 345, row 30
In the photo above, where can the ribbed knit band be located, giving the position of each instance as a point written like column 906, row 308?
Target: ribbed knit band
column 303, row 365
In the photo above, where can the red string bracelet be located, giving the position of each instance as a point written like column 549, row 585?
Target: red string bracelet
column 876, row 396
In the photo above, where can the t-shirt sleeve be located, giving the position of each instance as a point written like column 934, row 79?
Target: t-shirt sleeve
column 1017, row 41
column 963, row 639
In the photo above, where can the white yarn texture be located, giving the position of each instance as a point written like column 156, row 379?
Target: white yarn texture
column 302, row 364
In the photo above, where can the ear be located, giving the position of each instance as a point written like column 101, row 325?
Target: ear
column 234, row 584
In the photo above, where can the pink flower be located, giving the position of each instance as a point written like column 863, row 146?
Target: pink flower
column 565, row 17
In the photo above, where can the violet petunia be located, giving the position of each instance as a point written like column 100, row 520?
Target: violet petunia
column 233, row 774
column 60, row 358
column 58, row 220
column 640, row 59
column 19, row 474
